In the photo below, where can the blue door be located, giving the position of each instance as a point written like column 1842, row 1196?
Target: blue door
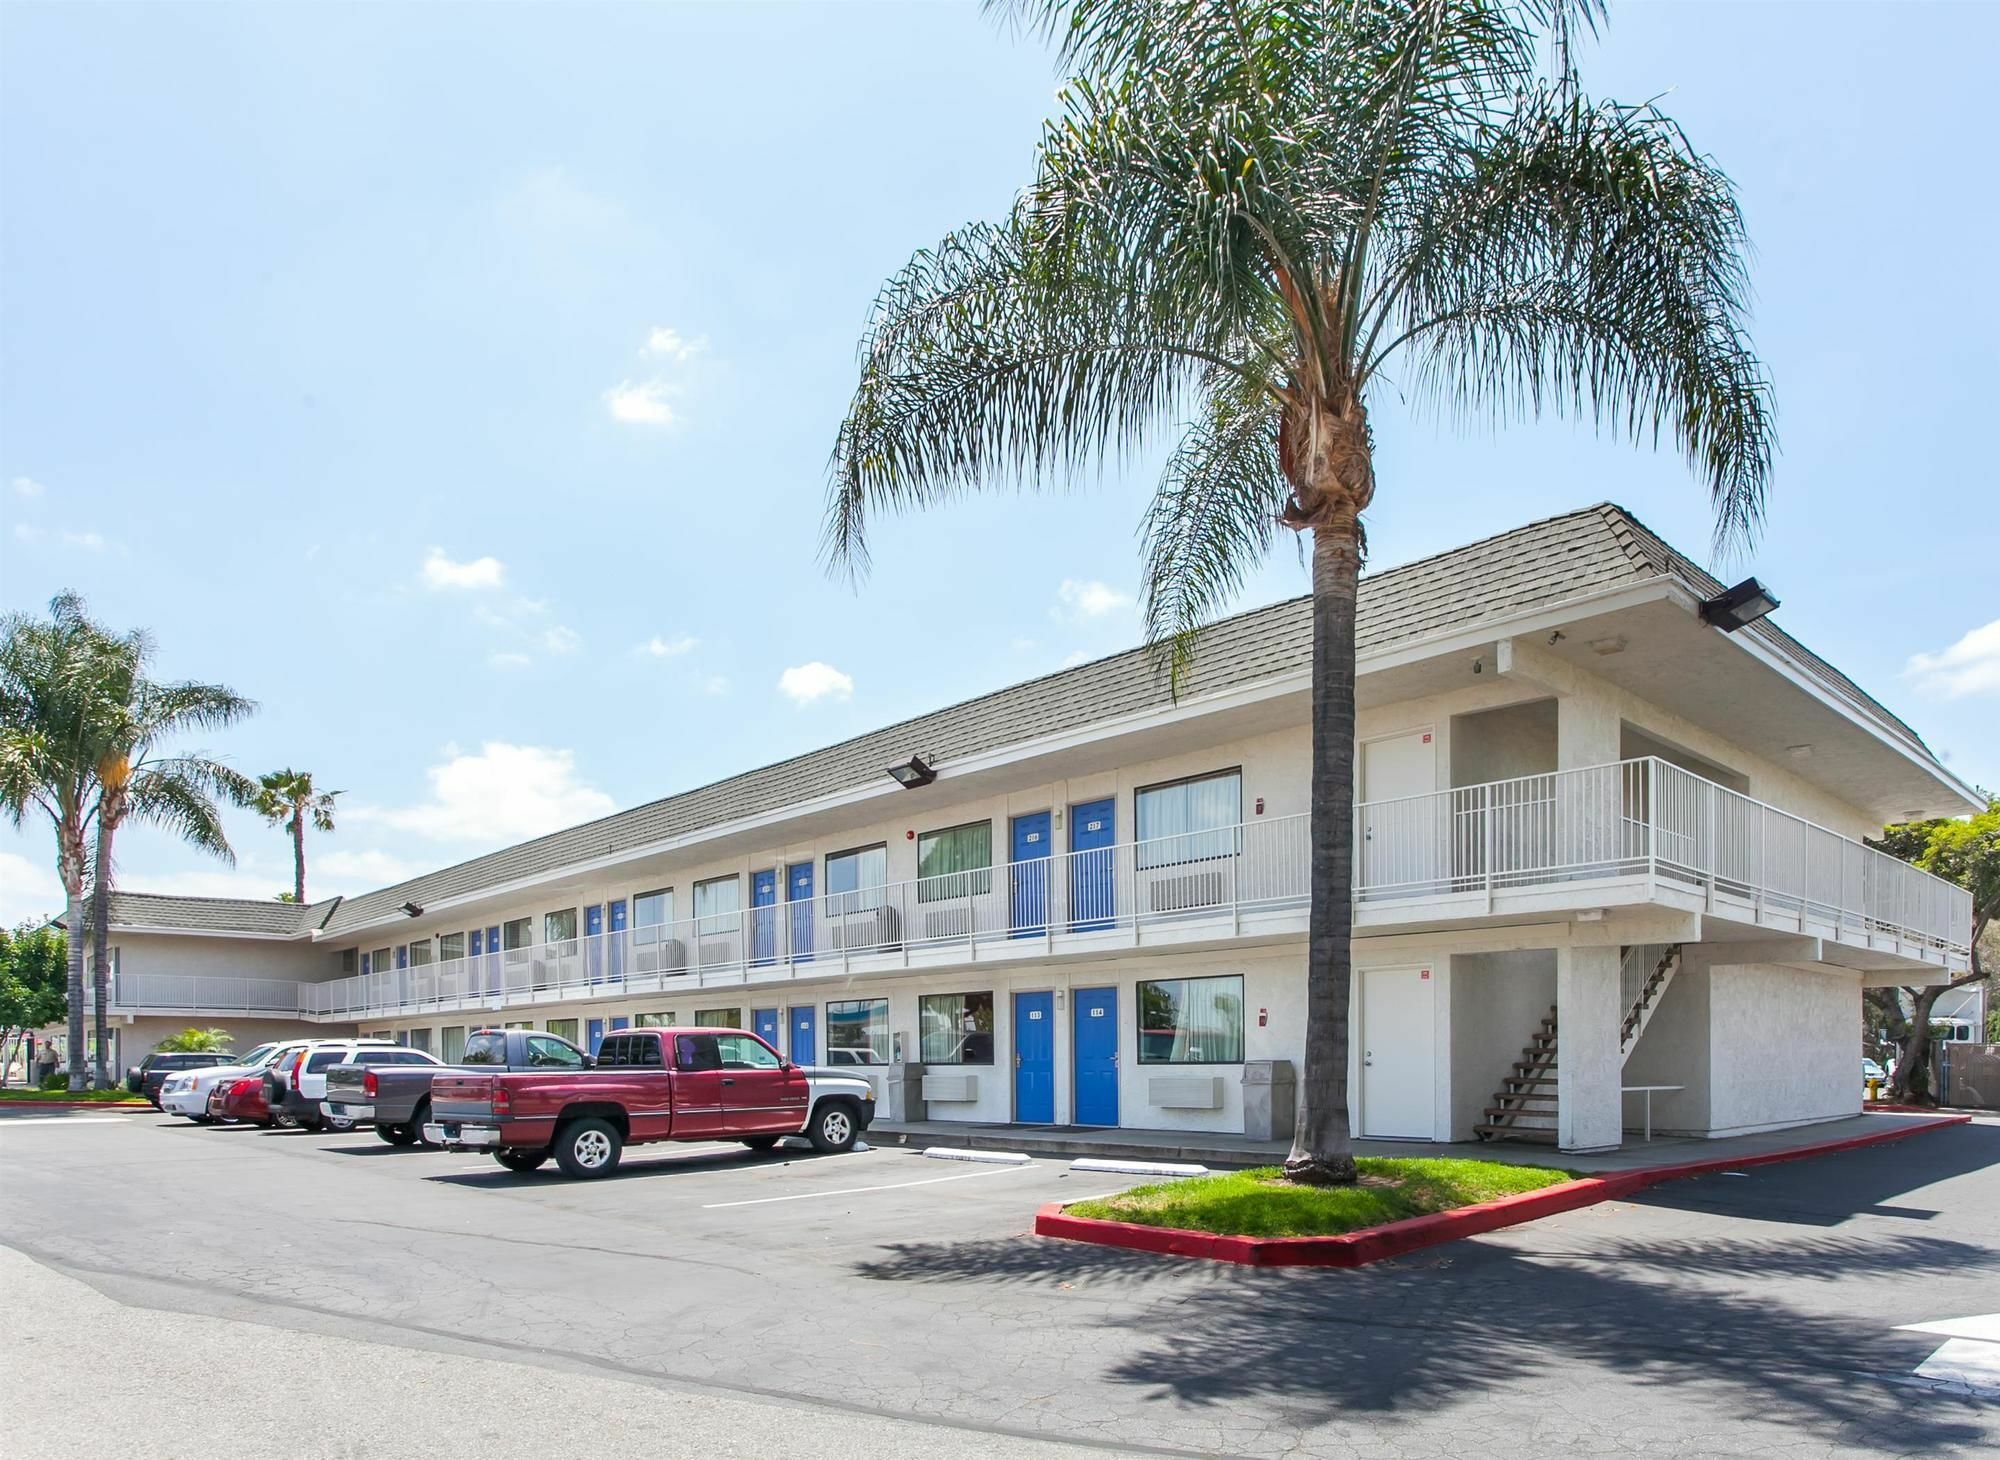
column 1095, row 1021
column 764, row 1024
column 799, row 892
column 803, row 1022
column 593, row 945
column 593, row 1035
column 1035, row 1058
column 1092, row 831
column 493, row 960
column 1028, row 875
column 615, row 959
column 764, row 915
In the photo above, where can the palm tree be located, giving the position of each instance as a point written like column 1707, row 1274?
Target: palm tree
column 138, row 780
column 1244, row 214
column 286, row 798
column 58, row 687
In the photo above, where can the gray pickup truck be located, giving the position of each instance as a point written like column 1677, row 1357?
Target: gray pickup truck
column 397, row 1100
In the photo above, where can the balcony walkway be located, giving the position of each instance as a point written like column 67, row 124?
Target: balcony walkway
column 1220, row 1149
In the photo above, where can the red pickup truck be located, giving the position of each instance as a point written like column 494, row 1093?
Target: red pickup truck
column 648, row 1085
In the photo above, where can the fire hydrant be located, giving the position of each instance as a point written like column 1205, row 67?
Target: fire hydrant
column 1874, row 1088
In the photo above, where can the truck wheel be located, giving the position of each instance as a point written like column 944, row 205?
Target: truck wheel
column 588, row 1147
column 516, row 1159
column 760, row 1143
column 418, row 1119
column 832, row 1129
column 397, row 1135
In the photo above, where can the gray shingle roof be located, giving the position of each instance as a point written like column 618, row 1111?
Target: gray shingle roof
column 271, row 919
column 1541, row 564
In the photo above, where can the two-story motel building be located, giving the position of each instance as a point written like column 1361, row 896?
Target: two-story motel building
column 1600, row 843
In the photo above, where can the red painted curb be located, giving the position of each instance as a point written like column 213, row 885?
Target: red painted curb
column 1392, row 1239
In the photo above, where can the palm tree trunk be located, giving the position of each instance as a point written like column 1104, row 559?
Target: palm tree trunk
column 1322, row 1147
column 299, row 855
column 75, row 922
column 100, row 946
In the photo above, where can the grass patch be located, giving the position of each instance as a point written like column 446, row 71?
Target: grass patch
column 118, row 1096
column 1262, row 1204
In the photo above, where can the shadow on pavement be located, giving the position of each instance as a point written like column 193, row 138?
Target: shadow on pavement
column 1447, row 1326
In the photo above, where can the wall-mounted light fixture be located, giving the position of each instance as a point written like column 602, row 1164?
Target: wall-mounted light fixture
column 412, row 910
column 913, row 773
column 1742, row 605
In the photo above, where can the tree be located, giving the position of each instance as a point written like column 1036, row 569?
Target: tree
column 1242, row 216
column 59, row 681
column 1964, row 850
column 286, row 798
column 34, row 963
column 140, row 780
column 193, row 1040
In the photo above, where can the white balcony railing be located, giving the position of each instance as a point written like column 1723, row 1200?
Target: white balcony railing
column 1449, row 853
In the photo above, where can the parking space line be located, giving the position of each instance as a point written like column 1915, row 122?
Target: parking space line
column 12, row 1120
column 759, row 1201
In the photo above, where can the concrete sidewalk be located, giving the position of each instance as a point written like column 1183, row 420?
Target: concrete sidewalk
column 1223, row 1150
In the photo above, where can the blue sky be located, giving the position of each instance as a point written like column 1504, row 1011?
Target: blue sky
column 458, row 382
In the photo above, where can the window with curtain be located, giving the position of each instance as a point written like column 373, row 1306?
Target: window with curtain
column 563, row 1029
column 420, row 953
column 857, row 1032
column 956, row 862
column 348, row 957
column 956, row 1029
column 659, row 1020
column 1191, row 1021
column 718, row 1018
column 653, row 910
column 383, row 961
column 1190, row 821
column 854, row 878
column 451, row 946
column 517, row 934
column 420, row 1039
column 559, row 926
column 717, row 899
column 453, row 1044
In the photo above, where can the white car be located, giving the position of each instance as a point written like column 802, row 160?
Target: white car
column 187, row 1094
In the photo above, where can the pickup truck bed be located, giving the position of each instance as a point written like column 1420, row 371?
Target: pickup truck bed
column 396, row 1100
column 650, row 1085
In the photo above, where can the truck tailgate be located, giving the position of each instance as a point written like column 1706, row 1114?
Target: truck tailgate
column 462, row 1097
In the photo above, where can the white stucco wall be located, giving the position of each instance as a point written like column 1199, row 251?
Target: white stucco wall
column 1784, row 1046
column 222, row 957
column 1674, row 1050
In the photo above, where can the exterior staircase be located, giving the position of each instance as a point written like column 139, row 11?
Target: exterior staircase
column 1524, row 1107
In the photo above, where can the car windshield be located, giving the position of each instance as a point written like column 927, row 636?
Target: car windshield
column 260, row 1055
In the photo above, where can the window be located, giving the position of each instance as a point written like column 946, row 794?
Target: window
column 854, row 879
column 719, row 898
column 518, row 933
column 653, row 909
column 1191, row 1021
column 697, row 1052
column 420, row 953
column 391, row 1057
column 348, row 958
column 487, row 1047
column 321, row 1059
column 560, row 927
column 629, row 1051
column 451, row 946
column 745, row 1052
column 956, row 1029
column 859, row 1030
column 1190, row 820
column 655, row 1021
column 518, row 1024
column 546, row 1053
column 956, row 862
column 383, row 961
column 564, row 1027
column 453, row 1045
column 718, row 1018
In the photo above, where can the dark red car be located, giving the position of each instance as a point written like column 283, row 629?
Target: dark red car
column 240, row 1099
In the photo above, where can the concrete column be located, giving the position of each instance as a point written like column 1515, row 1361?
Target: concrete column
column 1589, row 1113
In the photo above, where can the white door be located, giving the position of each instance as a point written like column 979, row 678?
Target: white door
column 1399, row 1053
column 1399, row 843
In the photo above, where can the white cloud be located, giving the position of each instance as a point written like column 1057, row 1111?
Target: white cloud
column 1023, row 645
column 28, row 487
column 503, row 793
column 27, row 533
column 670, row 344
column 715, row 684
column 28, row 889
column 672, row 648
column 87, row 540
column 442, row 573
column 562, row 639
column 806, row 684
column 1080, row 656
column 641, row 403
column 504, row 659
column 1081, row 599
column 351, row 871
column 1969, row 667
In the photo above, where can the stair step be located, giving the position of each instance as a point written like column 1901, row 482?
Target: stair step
column 1535, row 1135
column 1503, row 1112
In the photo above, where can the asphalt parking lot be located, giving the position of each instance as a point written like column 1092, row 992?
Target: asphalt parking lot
column 1737, row 1315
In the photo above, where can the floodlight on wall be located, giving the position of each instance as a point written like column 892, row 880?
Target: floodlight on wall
column 412, row 910
column 913, row 773
column 1742, row 605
